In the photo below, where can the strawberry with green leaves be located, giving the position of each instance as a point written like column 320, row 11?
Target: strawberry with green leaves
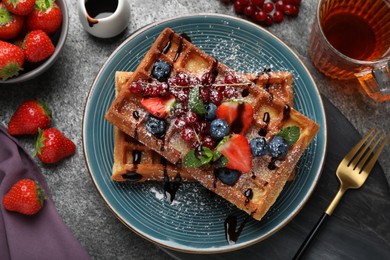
column 37, row 46
column 11, row 60
column 237, row 151
column 52, row 146
column 46, row 16
column 10, row 24
column 19, row 7
column 29, row 117
column 25, row 197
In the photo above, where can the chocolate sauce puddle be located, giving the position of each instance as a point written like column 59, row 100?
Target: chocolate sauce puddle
column 231, row 231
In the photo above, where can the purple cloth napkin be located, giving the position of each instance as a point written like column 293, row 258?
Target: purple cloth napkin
column 41, row 236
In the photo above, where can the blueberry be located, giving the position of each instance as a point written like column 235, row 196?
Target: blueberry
column 156, row 126
column 227, row 176
column 161, row 70
column 278, row 147
column 219, row 128
column 258, row 146
column 211, row 111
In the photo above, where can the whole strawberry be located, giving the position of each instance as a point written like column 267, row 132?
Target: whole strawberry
column 52, row 146
column 19, row 7
column 10, row 24
column 29, row 117
column 37, row 46
column 25, row 196
column 11, row 60
column 46, row 16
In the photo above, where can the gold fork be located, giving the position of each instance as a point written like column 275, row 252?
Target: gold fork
column 352, row 173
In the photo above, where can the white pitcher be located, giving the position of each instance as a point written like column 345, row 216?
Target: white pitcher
column 104, row 19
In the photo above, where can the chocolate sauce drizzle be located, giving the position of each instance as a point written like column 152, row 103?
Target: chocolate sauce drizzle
column 133, row 176
column 170, row 188
column 266, row 119
column 237, row 124
column 272, row 165
column 248, row 195
column 230, row 228
column 168, row 45
column 286, row 112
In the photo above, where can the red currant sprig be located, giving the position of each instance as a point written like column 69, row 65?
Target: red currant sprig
column 265, row 12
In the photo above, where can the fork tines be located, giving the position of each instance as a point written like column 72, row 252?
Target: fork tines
column 362, row 156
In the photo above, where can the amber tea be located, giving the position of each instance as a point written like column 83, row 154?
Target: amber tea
column 351, row 38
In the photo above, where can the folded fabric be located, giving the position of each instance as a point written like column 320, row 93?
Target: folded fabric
column 41, row 236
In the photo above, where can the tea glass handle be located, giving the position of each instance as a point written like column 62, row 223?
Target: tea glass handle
column 376, row 82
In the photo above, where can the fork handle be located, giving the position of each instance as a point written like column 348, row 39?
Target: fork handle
column 299, row 254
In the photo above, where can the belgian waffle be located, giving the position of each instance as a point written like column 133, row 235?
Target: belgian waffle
column 254, row 191
column 133, row 161
column 136, row 163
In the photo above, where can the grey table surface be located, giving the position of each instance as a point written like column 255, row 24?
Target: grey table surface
column 65, row 87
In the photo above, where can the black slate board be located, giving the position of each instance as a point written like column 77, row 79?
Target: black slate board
column 358, row 229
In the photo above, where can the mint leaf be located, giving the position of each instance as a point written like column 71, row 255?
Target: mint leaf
column 291, row 134
column 195, row 103
column 193, row 161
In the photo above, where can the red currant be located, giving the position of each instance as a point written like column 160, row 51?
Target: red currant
column 182, row 79
column 239, row 7
column 188, row 134
column 268, row 7
column 291, row 10
column 190, row 118
column 268, row 21
column 296, row 2
column 279, row 6
column 216, row 97
column 136, row 87
column 258, row 3
column 208, row 79
column 204, row 94
column 249, row 10
column 230, row 92
column 278, row 16
column 179, row 123
column 230, row 78
column 209, row 142
column 260, row 16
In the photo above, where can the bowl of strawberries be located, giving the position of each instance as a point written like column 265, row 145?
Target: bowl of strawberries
column 32, row 34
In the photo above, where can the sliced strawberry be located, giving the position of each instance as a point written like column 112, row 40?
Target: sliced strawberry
column 159, row 106
column 238, row 115
column 237, row 150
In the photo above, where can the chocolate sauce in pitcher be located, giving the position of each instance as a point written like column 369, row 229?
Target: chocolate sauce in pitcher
column 98, row 9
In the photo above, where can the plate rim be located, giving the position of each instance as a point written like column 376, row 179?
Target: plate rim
column 210, row 250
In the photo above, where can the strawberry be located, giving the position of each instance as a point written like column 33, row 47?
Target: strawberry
column 238, row 152
column 238, row 115
column 52, row 146
column 46, row 16
column 37, row 46
column 10, row 24
column 11, row 60
column 25, row 196
column 159, row 106
column 29, row 117
column 19, row 7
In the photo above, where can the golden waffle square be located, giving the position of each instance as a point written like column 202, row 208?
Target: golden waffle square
column 134, row 162
column 254, row 189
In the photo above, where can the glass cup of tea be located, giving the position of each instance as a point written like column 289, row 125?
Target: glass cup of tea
column 351, row 39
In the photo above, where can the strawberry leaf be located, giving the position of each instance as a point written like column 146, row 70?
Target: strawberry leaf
column 195, row 103
column 39, row 142
column 291, row 134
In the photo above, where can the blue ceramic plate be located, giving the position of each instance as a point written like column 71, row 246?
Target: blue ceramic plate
column 195, row 221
